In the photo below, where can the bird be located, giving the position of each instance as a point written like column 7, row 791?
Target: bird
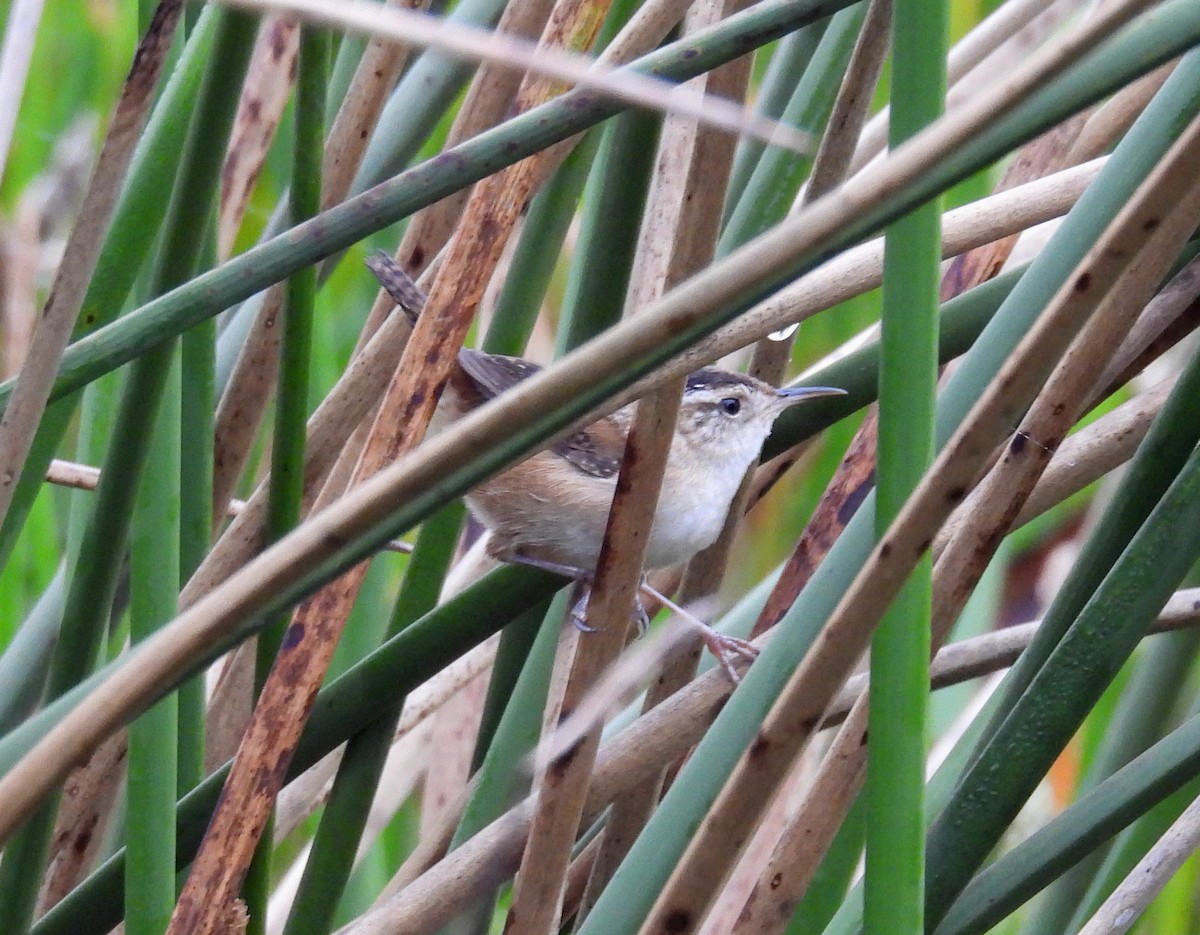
column 550, row 511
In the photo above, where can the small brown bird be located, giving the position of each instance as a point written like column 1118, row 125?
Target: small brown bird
column 551, row 509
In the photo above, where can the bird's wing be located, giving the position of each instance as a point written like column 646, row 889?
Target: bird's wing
column 595, row 449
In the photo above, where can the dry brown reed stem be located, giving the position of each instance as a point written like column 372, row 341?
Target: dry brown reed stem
column 265, row 93
column 832, row 164
column 488, row 98
column 829, row 661
column 578, row 876
column 636, row 754
column 251, row 385
column 229, row 706
column 247, row 394
column 851, row 482
column 20, row 253
column 1178, row 300
column 269, row 737
column 80, row 828
column 805, row 837
column 233, row 697
column 1111, row 119
column 681, row 218
column 1082, row 458
column 563, row 783
column 678, row 236
column 1096, row 450
column 453, row 733
column 374, row 78
column 23, row 414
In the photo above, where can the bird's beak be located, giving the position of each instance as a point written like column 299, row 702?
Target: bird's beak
column 795, row 394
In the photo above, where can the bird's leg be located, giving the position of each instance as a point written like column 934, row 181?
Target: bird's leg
column 580, row 576
column 584, row 579
column 555, row 568
column 723, row 647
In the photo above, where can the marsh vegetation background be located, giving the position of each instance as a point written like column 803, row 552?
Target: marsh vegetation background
column 234, row 694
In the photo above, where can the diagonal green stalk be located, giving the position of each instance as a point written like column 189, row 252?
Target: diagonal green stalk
column 1157, row 688
column 1149, row 779
column 894, row 883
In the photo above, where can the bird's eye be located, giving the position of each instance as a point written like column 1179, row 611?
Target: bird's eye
column 731, row 406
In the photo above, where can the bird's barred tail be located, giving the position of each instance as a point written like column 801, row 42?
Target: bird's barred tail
column 398, row 284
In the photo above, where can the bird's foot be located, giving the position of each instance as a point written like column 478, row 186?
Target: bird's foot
column 723, row 647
